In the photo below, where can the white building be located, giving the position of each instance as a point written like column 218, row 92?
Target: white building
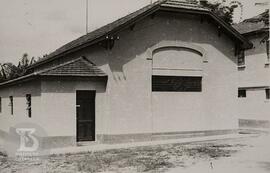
column 254, row 73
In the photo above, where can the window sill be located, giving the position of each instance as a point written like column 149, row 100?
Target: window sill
column 241, row 67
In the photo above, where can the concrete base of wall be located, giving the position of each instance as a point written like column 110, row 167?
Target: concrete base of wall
column 249, row 123
column 67, row 141
column 57, row 142
column 124, row 138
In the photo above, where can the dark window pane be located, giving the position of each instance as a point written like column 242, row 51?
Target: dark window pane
column 28, row 105
column 11, row 104
column 242, row 93
column 0, row 104
column 267, row 92
column 176, row 84
column 241, row 58
column 267, row 49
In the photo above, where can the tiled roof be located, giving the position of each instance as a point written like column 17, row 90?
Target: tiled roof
column 77, row 67
column 184, row 4
column 80, row 67
column 254, row 24
column 102, row 32
column 248, row 27
column 110, row 29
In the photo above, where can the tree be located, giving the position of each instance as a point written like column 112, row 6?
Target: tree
column 223, row 11
column 10, row 71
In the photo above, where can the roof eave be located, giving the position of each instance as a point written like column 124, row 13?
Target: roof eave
column 33, row 76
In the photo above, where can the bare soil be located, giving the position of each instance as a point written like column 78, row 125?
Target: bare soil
column 160, row 158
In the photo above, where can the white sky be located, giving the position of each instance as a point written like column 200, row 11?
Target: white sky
column 39, row 27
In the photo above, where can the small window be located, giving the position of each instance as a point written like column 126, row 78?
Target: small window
column 11, row 104
column 0, row 104
column 28, row 105
column 241, row 58
column 242, row 93
column 267, row 92
column 176, row 84
column 267, row 50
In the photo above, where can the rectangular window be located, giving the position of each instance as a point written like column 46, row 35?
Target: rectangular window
column 176, row 84
column 28, row 105
column 267, row 92
column 241, row 58
column 0, row 104
column 267, row 50
column 11, row 104
column 242, row 93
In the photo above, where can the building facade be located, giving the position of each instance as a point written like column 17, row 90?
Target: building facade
column 254, row 73
column 167, row 70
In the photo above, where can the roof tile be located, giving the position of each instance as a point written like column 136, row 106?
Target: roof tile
column 77, row 67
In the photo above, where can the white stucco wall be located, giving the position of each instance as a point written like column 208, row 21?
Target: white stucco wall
column 126, row 105
column 256, row 74
column 58, row 101
column 19, row 105
column 129, row 84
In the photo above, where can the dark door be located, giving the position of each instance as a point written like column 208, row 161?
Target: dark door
column 85, row 108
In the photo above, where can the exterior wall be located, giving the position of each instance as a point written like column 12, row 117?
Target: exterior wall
column 19, row 105
column 127, row 106
column 255, row 74
column 58, row 101
column 171, row 109
column 20, row 116
column 53, row 109
column 129, row 66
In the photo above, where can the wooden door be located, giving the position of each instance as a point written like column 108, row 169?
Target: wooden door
column 85, row 109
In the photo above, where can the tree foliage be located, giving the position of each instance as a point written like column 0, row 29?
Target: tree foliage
column 223, row 11
column 10, row 71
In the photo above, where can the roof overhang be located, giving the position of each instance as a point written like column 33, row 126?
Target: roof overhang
column 87, row 71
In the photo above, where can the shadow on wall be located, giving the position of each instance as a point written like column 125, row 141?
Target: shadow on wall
column 20, row 90
column 70, row 85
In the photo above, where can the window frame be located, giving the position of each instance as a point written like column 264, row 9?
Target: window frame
column 0, row 104
column 11, row 104
column 241, row 55
column 267, row 49
column 29, row 105
column 164, row 83
column 267, row 93
column 244, row 95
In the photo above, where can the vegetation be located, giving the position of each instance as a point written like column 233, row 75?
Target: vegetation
column 223, row 11
column 10, row 71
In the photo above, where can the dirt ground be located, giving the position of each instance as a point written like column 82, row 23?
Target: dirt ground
column 247, row 155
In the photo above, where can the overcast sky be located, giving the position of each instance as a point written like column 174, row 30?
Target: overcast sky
column 38, row 27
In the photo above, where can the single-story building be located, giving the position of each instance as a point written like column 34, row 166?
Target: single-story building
column 166, row 70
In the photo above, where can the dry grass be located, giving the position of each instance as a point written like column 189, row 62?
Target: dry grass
column 140, row 159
